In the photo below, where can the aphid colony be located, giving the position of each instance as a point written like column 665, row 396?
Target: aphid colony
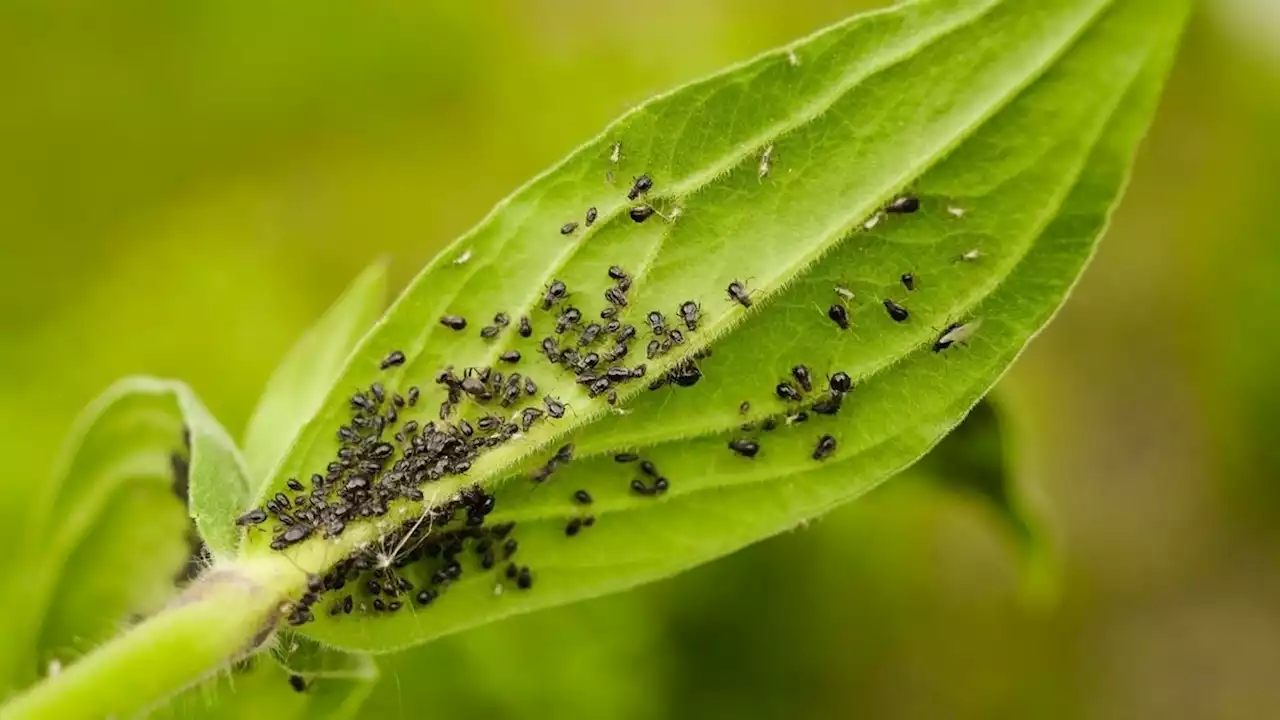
column 794, row 392
column 485, row 408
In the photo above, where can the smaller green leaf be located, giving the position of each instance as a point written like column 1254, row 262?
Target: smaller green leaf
column 111, row 533
column 219, row 484
column 299, row 383
column 976, row 459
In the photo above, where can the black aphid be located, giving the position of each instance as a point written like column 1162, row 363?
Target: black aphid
column 555, row 408
column 639, row 488
column 649, row 469
column 568, row 228
column 841, row 382
column 896, row 311
column 744, row 408
column 769, row 424
column 502, row 319
column 660, row 485
column 908, row 281
column 582, row 497
column 297, row 683
column 617, row 273
column 588, row 521
column 526, row 329
column 828, row 406
column 609, row 313
column 803, row 377
column 689, row 312
column 555, row 292
column 787, row 391
column 253, row 517
column 490, row 331
column 676, row 336
column 524, row 579
column 641, row 186
column 509, row 548
column 839, row 316
column 394, row 359
column 294, row 485
column 510, row 356
column 454, row 322
column 640, row 213
column 572, row 528
column 686, row 374
column 745, row 448
column 738, row 293
column 624, row 284
column 616, row 296
column 657, row 322
column 826, row 446
column 570, row 317
column 528, row 417
column 591, row 216
column 550, row 349
column 347, row 605
column 654, row 349
column 798, row 418
column 426, row 596
column 589, row 334
column 530, row 387
column 626, row 457
column 903, row 204
column 412, row 396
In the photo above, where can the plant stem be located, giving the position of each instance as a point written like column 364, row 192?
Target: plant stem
column 225, row 614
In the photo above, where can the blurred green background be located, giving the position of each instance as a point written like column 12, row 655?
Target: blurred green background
column 185, row 186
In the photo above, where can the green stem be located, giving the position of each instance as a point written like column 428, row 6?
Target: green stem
column 224, row 615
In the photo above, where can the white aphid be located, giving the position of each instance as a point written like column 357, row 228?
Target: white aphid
column 957, row 333
column 793, row 58
column 463, row 258
column 971, row 255
column 845, row 293
column 766, row 162
column 956, row 211
column 55, row 668
column 497, row 589
column 616, row 155
column 676, row 212
column 872, row 222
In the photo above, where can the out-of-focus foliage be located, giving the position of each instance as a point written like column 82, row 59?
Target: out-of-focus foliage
column 187, row 187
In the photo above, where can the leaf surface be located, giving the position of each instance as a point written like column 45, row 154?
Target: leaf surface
column 1014, row 124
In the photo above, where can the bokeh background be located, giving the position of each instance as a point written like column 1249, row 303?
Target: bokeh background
column 185, row 186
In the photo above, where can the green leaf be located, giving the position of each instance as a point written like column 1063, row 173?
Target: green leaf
column 302, row 379
column 112, row 533
column 1015, row 124
column 974, row 459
